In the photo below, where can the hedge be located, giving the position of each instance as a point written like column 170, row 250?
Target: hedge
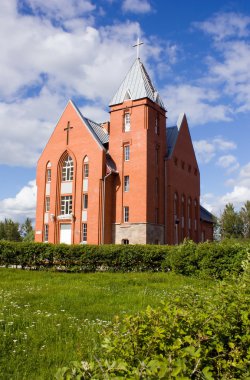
column 214, row 259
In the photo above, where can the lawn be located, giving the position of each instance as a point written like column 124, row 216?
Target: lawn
column 50, row 319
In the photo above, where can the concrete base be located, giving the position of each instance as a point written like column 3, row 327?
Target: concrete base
column 138, row 233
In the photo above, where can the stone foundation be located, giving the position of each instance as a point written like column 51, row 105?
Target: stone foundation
column 138, row 233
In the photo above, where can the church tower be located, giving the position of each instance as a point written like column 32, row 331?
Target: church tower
column 137, row 144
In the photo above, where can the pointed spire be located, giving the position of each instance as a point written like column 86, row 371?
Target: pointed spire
column 138, row 85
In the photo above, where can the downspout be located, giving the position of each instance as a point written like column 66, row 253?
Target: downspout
column 103, row 203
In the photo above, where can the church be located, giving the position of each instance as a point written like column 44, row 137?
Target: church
column 130, row 180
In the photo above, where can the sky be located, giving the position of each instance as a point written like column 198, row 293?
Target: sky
column 197, row 53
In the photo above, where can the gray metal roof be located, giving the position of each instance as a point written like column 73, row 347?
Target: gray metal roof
column 206, row 215
column 99, row 131
column 137, row 85
column 96, row 130
column 171, row 134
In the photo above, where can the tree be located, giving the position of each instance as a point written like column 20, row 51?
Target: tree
column 9, row 230
column 27, row 231
column 245, row 217
column 231, row 223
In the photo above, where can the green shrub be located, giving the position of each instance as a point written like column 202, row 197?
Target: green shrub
column 191, row 337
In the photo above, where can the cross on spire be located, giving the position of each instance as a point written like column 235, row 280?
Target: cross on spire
column 68, row 129
column 137, row 45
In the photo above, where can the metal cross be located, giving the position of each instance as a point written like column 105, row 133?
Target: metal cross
column 137, row 45
column 68, row 129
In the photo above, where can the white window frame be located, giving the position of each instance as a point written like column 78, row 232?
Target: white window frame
column 126, row 152
column 126, row 183
column 127, row 122
column 68, row 170
column 86, row 170
column 66, row 204
column 84, row 232
column 126, row 214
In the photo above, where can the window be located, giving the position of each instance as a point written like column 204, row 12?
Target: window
column 126, row 152
column 85, row 170
column 176, row 161
column 157, row 130
column 84, row 232
column 195, row 215
column 48, row 177
column 127, row 122
column 126, row 183
column 189, row 213
column 85, row 201
column 125, row 241
column 195, row 171
column 46, row 233
column 47, row 204
column 66, row 204
column 68, row 169
column 189, row 168
column 183, row 165
column 126, row 214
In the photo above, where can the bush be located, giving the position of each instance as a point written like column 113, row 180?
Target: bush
column 192, row 337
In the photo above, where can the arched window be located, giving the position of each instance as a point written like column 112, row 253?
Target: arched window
column 183, row 216
column 86, row 167
column 68, row 169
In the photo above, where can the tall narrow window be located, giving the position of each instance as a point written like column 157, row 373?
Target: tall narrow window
column 176, row 220
column 157, row 130
column 126, row 183
column 126, row 152
column 66, row 204
column 46, row 233
column 195, row 214
column 68, row 169
column 125, row 241
column 84, row 232
column 85, row 170
column 85, row 201
column 126, row 214
column 47, row 204
column 189, row 214
column 48, row 179
column 127, row 122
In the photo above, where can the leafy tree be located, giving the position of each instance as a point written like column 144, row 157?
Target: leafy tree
column 9, row 230
column 27, row 231
column 245, row 217
column 231, row 223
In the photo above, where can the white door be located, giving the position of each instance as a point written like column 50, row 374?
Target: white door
column 65, row 233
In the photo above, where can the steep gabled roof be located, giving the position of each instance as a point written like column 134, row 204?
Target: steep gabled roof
column 95, row 129
column 137, row 85
column 172, row 134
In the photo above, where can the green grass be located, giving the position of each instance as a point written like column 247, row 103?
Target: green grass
column 49, row 319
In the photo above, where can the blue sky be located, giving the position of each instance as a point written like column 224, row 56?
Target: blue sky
column 197, row 53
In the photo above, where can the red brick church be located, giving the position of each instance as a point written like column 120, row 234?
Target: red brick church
column 130, row 180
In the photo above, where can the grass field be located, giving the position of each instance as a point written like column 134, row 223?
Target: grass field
column 50, row 319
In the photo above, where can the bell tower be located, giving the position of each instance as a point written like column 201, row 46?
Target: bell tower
column 137, row 144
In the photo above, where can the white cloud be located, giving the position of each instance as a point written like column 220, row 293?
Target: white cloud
column 239, row 194
column 20, row 207
column 198, row 102
column 136, row 6
column 225, row 25
column 206, row 150
column 60, row 9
